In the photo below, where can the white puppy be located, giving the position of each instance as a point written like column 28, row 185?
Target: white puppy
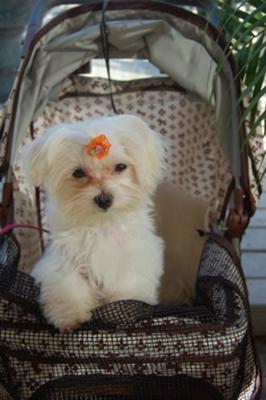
column 103, row 244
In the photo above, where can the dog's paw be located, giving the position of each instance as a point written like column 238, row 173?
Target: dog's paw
column 72, row 325
column 64, row 317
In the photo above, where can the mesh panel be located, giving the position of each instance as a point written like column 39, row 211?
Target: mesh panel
column 4, row 381
column 130, row 350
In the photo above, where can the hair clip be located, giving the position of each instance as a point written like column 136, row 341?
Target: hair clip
column 98, row 147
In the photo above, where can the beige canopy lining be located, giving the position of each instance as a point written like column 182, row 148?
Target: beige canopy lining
column 173, row 45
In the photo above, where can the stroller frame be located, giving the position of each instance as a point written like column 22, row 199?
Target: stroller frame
column 145, row 352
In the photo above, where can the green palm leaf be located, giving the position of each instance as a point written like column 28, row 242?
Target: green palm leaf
column 244, row 23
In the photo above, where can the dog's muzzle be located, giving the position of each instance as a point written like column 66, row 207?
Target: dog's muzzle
column 104, row 200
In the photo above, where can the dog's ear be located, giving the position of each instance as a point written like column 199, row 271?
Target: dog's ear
column 34, row 161
column 147, row 152
column 37, row 156
column 153, row 165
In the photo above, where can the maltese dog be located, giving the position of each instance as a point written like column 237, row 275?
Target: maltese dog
column 99, row 176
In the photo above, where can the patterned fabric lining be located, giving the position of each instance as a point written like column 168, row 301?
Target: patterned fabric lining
column 195, row 160
column 134, row 341
column 257, row 151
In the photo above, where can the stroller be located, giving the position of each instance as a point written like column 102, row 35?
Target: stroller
column 131, row 350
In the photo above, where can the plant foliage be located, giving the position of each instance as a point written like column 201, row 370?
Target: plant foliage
column 244, row 23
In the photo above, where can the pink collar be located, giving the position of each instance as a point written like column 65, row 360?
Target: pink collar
column 10, row 227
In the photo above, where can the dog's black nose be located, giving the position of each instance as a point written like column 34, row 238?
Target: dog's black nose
column 104, row 200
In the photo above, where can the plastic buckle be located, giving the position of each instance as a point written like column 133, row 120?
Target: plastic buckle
column 238, row 217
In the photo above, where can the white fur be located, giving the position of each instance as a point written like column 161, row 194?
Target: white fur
column 97, row 256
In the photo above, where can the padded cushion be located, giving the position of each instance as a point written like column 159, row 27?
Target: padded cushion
column 179, row 216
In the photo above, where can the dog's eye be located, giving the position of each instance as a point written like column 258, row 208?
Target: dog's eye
column 120, row 167
column 78, row 173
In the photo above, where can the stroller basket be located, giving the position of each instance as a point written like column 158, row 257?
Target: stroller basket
column 131, row 350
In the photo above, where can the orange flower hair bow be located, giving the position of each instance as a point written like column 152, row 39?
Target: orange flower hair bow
column 98, row 147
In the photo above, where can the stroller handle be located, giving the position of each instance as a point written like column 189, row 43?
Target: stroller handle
column 42, row 6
